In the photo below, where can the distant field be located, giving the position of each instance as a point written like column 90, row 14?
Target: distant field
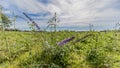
column 40, row 50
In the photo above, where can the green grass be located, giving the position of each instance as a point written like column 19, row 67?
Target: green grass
column 40, row 50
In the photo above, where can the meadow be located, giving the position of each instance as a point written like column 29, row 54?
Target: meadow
column 41, row 49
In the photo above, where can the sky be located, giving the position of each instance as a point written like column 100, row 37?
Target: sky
column 73, row 14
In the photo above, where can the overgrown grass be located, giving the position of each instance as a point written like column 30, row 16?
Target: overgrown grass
column 40, row 50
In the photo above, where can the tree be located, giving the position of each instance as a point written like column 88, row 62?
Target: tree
column 52, row 23
column 5, row 20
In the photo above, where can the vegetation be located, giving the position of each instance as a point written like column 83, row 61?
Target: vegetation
column 5, row 21
column 62, row 49
column 40, row 50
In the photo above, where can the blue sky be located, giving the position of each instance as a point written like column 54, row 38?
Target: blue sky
column 73, row 14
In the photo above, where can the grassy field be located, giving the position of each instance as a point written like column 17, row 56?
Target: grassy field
column 40, row 50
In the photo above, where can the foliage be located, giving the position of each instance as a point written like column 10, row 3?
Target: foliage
column 35, row 50
column 5, row 21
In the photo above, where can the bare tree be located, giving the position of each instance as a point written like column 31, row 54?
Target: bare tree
column 52, row 23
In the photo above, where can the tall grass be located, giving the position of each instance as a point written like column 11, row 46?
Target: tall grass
column 35, row 50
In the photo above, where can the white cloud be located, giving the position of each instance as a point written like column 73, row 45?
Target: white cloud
column 74, row 12
column 82, row 12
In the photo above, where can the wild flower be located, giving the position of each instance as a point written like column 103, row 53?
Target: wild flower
column 33, row 22
column 65, row 41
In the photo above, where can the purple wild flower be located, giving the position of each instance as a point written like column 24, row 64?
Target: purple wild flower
column 35, row 24
column 65, row 41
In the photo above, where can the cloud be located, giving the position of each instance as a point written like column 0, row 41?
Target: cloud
column 71, row 12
